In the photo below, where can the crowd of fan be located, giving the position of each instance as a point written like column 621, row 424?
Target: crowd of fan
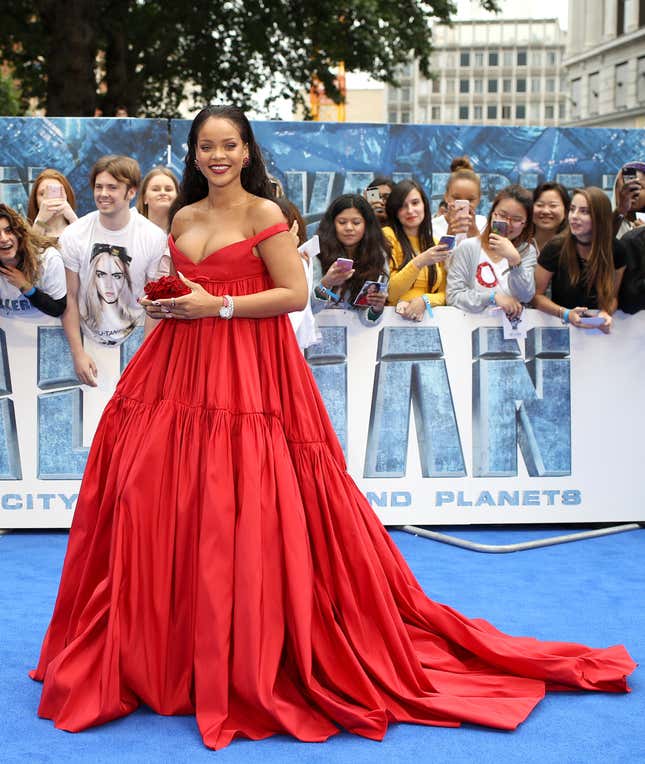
column 571, row 255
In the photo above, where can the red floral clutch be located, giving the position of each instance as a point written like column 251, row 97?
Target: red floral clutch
column 165, row 287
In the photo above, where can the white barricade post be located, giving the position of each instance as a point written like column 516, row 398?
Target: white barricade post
column 442, row 422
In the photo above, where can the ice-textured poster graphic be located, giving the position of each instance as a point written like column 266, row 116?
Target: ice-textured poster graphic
column 71, row 145
column 316, row 161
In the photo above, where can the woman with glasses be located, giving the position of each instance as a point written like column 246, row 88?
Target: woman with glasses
column 551, row 203
column 496, row 268
column 584, row 266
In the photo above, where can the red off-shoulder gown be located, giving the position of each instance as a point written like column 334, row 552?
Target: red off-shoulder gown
column 223, row 563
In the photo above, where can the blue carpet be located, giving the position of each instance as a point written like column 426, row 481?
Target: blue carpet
column 589, row 591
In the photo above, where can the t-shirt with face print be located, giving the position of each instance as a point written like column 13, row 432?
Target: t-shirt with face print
column 112, row 267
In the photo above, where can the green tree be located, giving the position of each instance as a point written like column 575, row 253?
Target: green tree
column 10, row 105
column 149, row 55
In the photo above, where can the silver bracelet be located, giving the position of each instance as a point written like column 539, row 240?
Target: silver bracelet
column 226, row 311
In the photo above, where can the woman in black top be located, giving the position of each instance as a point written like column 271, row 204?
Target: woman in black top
column 584, row 266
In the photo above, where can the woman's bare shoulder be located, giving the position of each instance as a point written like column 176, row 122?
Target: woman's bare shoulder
column 263, row 213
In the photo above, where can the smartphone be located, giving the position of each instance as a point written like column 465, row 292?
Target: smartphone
column 629, row 174
column 500, row 227
column 373, row 195
column 53, row 191
column 461, row 204
column 344, row 263
column 448, row 240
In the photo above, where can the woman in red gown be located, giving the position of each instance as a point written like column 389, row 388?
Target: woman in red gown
column 221, row 561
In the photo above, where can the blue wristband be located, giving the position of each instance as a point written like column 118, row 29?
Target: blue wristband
column 30, row 292
column 491, row 297
column 327, row 292
column 426, row 299
column 565, row 316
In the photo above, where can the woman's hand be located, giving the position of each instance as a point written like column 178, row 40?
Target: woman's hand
column 336, row 276
column 198, row 304
column 15, row 277
column 574, row 316
column 51, row 207
column 503, row 247
column 431, row 256
column 606, row 327
column 510, row 306
column 376, row 301
column 460, row 220
column 413, row 310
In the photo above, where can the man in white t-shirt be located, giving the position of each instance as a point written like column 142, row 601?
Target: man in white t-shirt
column 109, row 256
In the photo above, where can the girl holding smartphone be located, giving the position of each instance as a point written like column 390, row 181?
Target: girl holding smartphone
column 584, row 266
column 418, row 279
column 51, row 205
column 496, row 268
column 352, row 251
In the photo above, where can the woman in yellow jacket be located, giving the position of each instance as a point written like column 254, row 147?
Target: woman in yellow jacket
column 417, row 274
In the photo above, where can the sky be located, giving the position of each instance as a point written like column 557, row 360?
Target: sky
column 521, row 9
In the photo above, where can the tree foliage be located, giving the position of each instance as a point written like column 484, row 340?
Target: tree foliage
column 10, row 105
column 150, row 55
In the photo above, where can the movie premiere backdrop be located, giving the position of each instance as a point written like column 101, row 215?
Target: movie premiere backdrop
column 445, row 422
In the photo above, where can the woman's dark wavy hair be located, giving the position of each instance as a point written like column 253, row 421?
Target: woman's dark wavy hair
column 371, row 252
column 393, row 205
column 194, row 185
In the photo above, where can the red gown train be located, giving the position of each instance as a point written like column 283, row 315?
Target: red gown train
column 223, row 563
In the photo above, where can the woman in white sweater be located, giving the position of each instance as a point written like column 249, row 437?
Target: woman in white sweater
column 496, row 268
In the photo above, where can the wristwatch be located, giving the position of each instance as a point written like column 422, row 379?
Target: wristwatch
column 226, row 311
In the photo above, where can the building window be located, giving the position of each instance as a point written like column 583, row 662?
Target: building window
column 493, row 59
column 464, row 86
column 436, row 113
column 508, row 58
column 491, row 112
column 436, row 85
column 594, row 93
column 521, row 58
column 463, row 112
column 392, row 115
column 551, row 58
column 535, row 85
column 620, row 81
column 479, row 59
column 479, row 86
column 405, row 94
column 623, row 8
column 478, row 112
column 550, row 85
column 534, row 112
column 464, row 59
column 640, row 77
column 561, row 111
column 548, row 112
column 507, row 85
column 492, row 86
column 520, row 111
column 405, row 116
column 536, row 58
column 576, row 92
column 506, row 112
column 521, row 85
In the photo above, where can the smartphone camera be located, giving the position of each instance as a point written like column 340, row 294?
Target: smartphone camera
column 373, row 195
column 500, row 227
